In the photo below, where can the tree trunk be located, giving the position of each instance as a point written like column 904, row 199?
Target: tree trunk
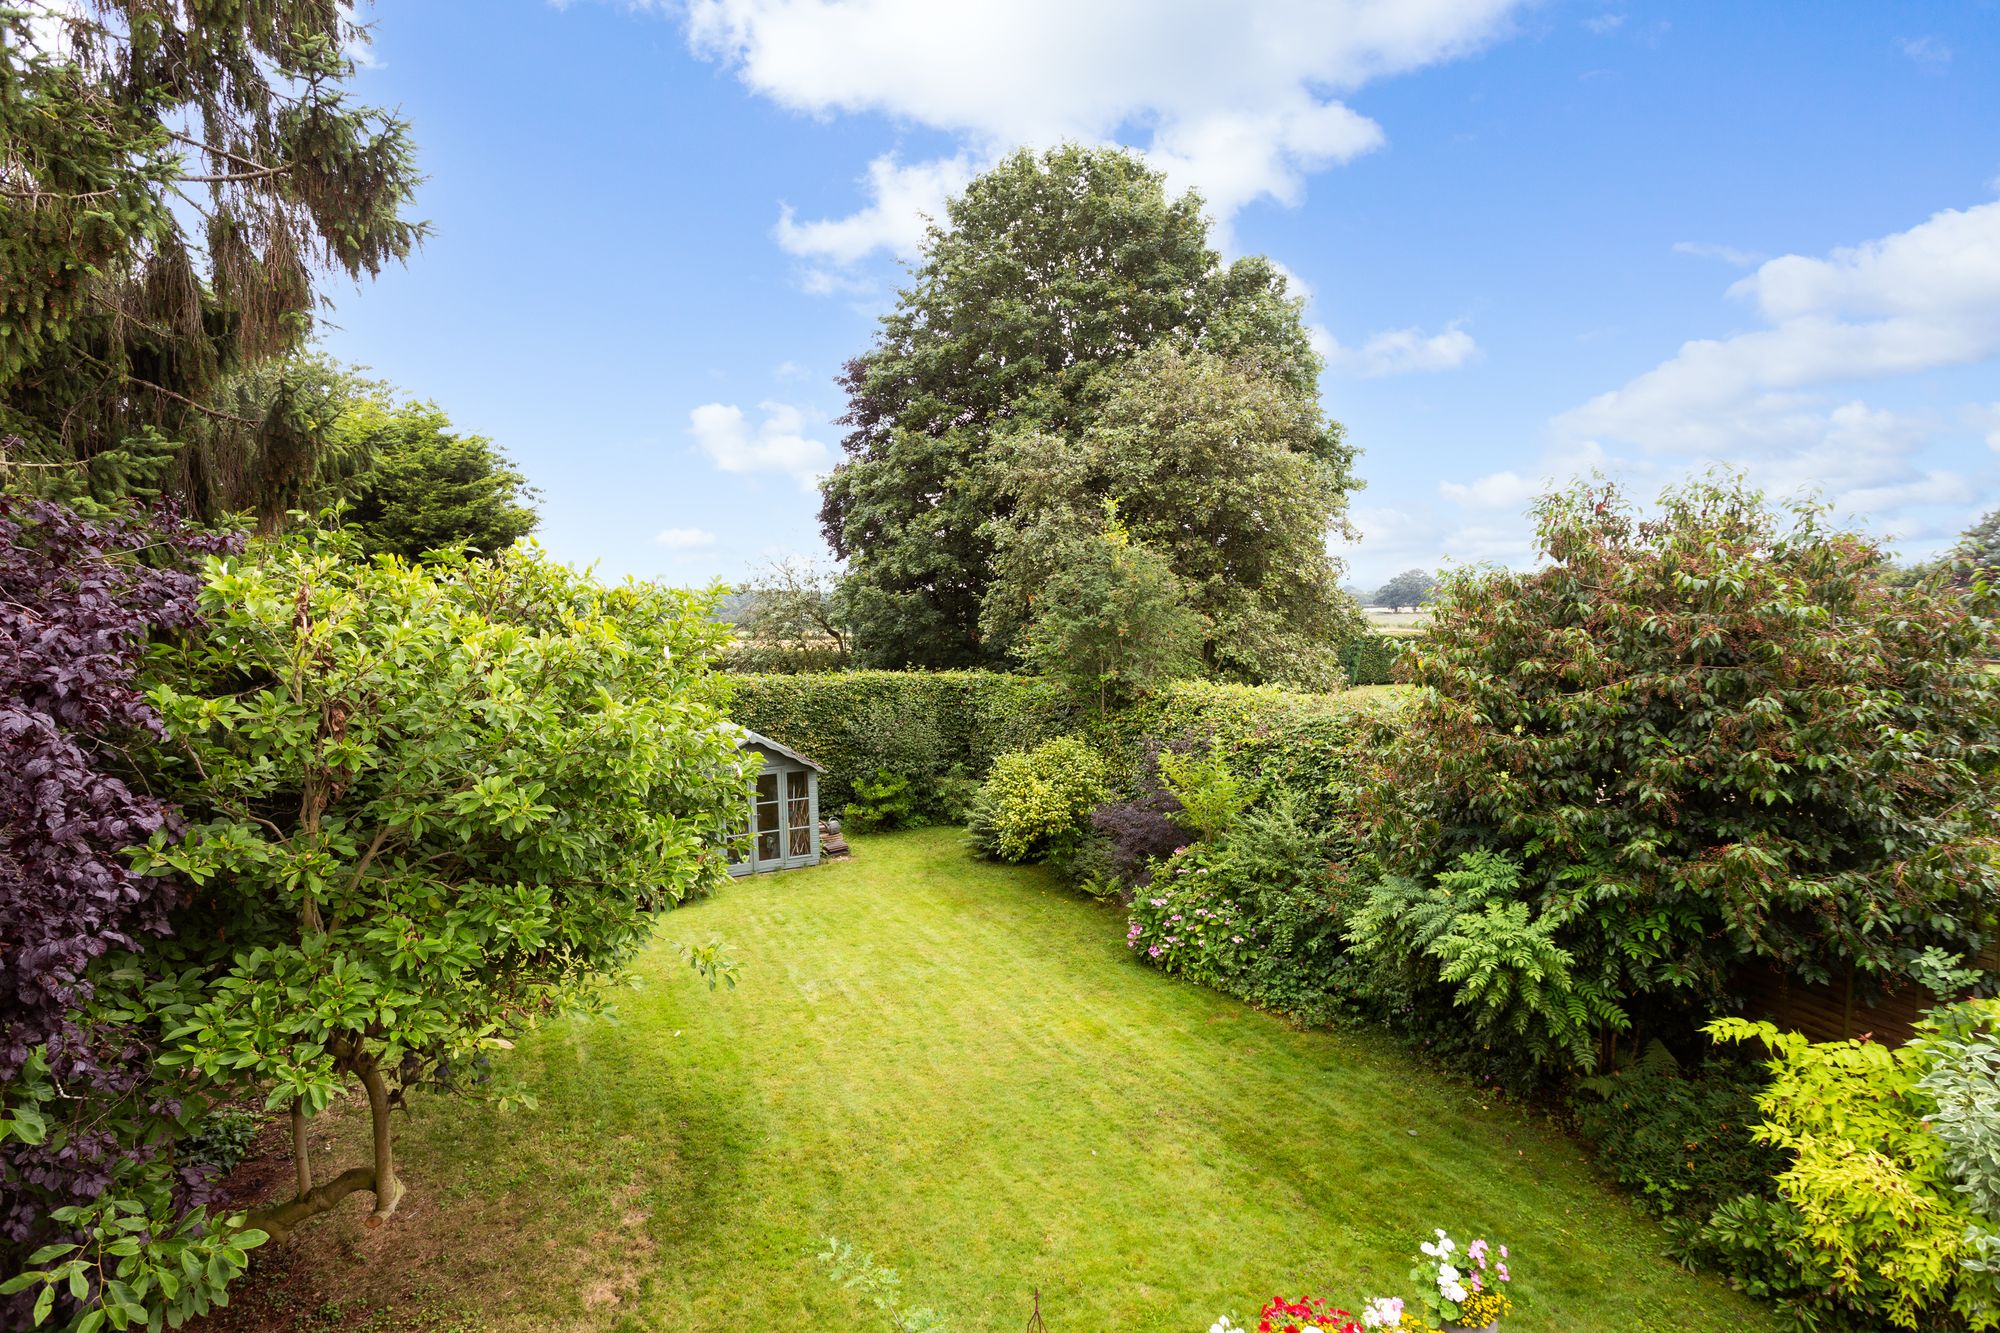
column 301, row 1152
column 379, row 1179
column 388, row 1189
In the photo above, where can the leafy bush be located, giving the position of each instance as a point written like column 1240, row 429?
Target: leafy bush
column 426, row 809
column 1138, row 832
column 938, row 724
column 1681, row 1140
column 1872, row 1186
column 884, row 801
column 1035, row 803
column 1709, row 738
column 1256, row 915
column 1370, row 659
column 79, row 1108
column 1468, row 932
column 222, row 1139
column 1964, row 1082
column 1210, row 795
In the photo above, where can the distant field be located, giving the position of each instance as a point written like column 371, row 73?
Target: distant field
column 1396, row 622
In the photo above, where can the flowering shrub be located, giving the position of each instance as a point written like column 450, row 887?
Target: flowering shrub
column 1187, row 923
column 1255, row 915
column 1037, row 802
column 1462, row 1290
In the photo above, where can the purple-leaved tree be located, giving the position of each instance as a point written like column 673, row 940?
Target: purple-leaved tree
column 79, row 597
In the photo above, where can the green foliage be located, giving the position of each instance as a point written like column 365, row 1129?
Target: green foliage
column 1978, row 549
column 925, row 725
column 1681, row 1140
column 857, row 1271
column 1470, row 932
column 1210, row 793
column 136, row 1263
column 1035, row 803
column 1255, row 913
column 1370, row 659
column 884, row 801
column 180, row 179
column 1709, row 738
column 1409, row 589
column 1963, row 1082
column 1870, row 1182
column 1112, row 622
column 1228, row 476
column 425, row 486
column 222, row 1139
column 426, row 808
column 1313, row 746
column 791, row 618
column 1048, row 271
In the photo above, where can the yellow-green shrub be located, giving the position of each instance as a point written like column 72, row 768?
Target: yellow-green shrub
column 1035, row 802
column 1869, row 1182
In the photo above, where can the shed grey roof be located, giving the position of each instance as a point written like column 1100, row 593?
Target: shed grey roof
column 757, row 738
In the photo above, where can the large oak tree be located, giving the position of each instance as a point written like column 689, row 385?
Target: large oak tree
column 1051, row 270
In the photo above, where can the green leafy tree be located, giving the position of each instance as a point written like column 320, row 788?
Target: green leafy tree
column 1229, row 474
column 1048, row 270
column 427, row 807
column 421, row 486
column 175, row 180
column 791, row 616
column 1979, row 547
column 1712, row 738
column 1409, row 589
column 1112, row 621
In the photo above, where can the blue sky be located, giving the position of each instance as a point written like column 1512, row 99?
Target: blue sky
column 1538, row 238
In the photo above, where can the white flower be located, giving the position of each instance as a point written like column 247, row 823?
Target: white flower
column 1446, row 1275
column 1383, row 1312
column 1433, row 1251
column 1455, row 1292
column 1223, row 1325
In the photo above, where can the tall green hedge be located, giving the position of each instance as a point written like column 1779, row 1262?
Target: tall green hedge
column 925, row 724
column 921, row 723
column 1308, row 744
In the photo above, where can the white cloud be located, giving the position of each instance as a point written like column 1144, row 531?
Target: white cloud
column 1779, row 401
column 1495, row 490
column 1605, row 24
column 778, row 444
column 684, row 539
column 1926, row 50
column 1917, row 300
column 1728, row 254
column 1397, row 351
column 905, row 199
column 1241, row 101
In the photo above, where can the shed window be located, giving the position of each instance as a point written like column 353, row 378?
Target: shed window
column 798, row 819
column 767, row 817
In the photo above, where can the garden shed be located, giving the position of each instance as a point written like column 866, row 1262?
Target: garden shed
column 783, row 818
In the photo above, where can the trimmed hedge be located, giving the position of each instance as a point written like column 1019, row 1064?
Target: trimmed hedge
column 923, row 724
column 1370, row 659
column 926, row 724
column 1306, row 744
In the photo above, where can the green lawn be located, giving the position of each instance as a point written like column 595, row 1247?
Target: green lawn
column 957, row 1066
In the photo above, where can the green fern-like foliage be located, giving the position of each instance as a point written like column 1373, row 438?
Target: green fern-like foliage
column 1519, row 982
column 1470, row 931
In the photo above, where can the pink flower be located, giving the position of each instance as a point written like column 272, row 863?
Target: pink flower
column 1153, row 952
